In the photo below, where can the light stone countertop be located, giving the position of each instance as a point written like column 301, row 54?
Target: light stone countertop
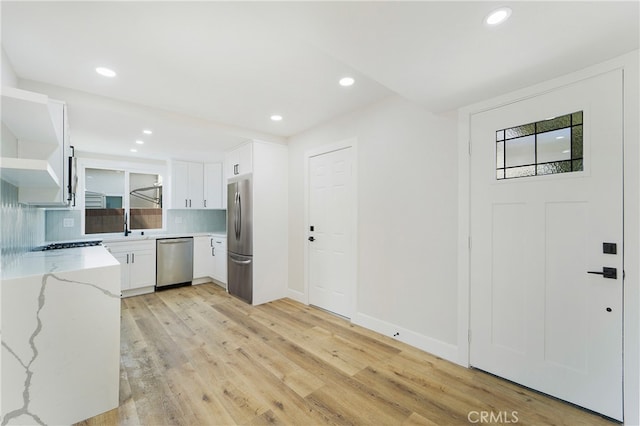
column 138, row 237
column 81, row 258
column 55, row 261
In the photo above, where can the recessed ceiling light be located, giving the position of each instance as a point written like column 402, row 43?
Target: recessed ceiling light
column 498, row 16
column 106, row 72
column 147, row 132
column 346, row 81
column 139, row 142
column 566, row 151
column 559, row 137
column 133, row 150
column 276, row 117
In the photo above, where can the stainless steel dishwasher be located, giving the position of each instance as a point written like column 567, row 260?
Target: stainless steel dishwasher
column 174, row 262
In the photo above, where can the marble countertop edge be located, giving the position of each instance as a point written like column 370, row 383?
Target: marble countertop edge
column 38, row 263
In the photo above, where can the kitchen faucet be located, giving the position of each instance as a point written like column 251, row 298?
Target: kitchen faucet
column 126, row 228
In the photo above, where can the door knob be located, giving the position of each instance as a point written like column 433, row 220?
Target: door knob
column 311, row 239
column 611, row 273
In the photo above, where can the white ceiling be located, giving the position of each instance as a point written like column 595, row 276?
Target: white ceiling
column 207, row 75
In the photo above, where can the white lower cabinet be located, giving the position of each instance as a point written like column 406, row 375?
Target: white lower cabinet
column 220, row 259
column 202, row 257
column 210, row 259
column 138, row 265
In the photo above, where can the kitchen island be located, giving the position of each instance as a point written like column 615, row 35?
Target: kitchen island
column 60, row 336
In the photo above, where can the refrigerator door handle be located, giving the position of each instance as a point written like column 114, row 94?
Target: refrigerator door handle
column 239, row 216
column 235, row 216
column 240, row 262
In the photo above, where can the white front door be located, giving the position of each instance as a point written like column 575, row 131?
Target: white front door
column 331, row 248
column 537, row 316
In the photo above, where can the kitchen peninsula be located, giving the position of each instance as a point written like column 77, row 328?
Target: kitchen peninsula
column 60, row 336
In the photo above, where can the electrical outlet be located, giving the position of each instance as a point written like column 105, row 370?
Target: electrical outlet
column 68, row 222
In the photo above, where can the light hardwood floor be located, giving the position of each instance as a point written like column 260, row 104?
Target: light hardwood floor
column 197, row 356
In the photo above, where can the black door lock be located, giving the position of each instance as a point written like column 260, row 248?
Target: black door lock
column 611, row 273
column 311, row 239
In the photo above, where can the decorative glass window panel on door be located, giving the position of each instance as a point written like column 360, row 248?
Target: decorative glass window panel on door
column 545, row 147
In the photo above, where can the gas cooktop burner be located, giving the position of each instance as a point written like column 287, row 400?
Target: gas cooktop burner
column 74, row 244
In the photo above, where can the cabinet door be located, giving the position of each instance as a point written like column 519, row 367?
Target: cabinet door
column 142, row 269
column 213, row 186
column 123, row 258
column 202, row 261
column 220, row 259
column 180, row 185
column 231, row 163
column 220, row 266
column 245, row 153
column 240, row 160
column 196, row 186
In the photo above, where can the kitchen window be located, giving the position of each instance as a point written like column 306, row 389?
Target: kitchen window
column 115, row 200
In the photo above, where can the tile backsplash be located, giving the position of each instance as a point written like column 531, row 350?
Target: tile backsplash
column 55, row 221
column 196, row 221
column 22, row 226
column 177, row 221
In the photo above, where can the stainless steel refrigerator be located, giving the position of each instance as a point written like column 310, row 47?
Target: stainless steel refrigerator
column 240, row 239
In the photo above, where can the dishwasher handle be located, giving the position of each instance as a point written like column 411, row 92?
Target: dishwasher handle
column 176, row 241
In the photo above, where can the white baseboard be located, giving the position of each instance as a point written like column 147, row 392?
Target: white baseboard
column 206, row 280
column 138, row 291
column 296, row 295
column 428, row 344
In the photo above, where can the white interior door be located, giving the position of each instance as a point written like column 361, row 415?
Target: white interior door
column 537, row 316
column 331, row 251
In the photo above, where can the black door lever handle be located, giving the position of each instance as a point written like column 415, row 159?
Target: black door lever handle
column 311, row 239
column 611, row 273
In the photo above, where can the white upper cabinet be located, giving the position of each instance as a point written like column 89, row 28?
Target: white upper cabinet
column 213, row 186
column 36, row 156
column 187, row 185
column 179, row 185
column 196, row 185
column 240, row 160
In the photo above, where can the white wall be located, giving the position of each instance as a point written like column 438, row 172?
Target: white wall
column 9, row 77
column 407, row 225
column 9, row 144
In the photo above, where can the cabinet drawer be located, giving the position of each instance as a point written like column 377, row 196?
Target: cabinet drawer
column 130, row 246
column 220, row 243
